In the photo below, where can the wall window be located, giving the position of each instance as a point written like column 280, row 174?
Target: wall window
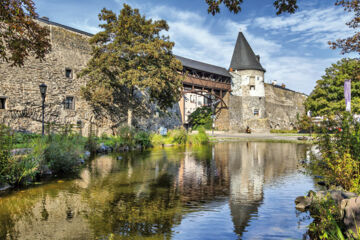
column 252, row 87
column 2, row 103
column 256, row 112
column 69, row 103
column 68, row 73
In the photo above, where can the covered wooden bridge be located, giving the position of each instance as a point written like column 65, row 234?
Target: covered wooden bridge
column 203, row 84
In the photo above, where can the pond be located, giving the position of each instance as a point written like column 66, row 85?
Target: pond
column 236, row 190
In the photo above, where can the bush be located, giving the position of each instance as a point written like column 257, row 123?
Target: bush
column 126, row 134
column 14, row 170
column 327, row 222
column 60, row 153
column 201, row 117
column 340, row 152
column 142, row 138
column 6, row 140
column 178, row 136
column 200, row 138
column 157, row 139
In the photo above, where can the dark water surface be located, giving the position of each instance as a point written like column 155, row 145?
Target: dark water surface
column 222, row 191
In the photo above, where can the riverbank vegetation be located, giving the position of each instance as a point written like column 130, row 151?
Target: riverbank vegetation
column 338, row 162
column 63, row 153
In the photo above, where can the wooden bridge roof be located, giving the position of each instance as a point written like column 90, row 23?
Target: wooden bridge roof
column 186, row 62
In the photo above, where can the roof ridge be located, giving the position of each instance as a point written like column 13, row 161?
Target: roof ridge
column 65, row 26
column 213, row 65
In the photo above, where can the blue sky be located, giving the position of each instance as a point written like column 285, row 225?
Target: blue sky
column 293, row 48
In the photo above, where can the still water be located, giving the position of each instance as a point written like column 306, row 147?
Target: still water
column 221, row 191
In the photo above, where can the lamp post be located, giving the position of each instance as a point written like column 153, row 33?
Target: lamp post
column 43, row 88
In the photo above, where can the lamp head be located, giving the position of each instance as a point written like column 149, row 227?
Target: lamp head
column 43, row 88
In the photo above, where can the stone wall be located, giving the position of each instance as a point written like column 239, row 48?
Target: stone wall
column 70, row 51
column 283, row 106
column 222, row 118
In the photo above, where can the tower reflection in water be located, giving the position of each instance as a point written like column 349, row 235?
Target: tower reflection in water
column 154, row 193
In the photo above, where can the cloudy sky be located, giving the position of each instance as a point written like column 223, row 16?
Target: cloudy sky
column 293, row 48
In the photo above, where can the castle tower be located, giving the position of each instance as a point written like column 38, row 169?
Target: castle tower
column 248, row 90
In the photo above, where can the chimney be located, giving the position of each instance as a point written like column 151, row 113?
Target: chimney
column 45, row 18
column 258, row 58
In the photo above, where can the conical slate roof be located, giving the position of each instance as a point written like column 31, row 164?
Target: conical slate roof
column 244, row 57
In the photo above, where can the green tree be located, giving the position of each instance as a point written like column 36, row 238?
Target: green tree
column 201, row 117
column 349, row 44
column 328, row 96
column 20, row 35
column 131, row 55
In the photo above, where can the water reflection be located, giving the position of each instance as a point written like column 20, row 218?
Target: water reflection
column 160, row 193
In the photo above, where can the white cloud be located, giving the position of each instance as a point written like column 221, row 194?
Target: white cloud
column 84, row 25
column 212, row 40
column 310, row 26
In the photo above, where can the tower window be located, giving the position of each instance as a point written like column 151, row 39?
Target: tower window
column 252, row 87
column 68, row 73
column 2, row 103
column 69, row 103
column 256, row 112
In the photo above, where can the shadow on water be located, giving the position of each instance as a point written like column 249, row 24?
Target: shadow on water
column 220, row 191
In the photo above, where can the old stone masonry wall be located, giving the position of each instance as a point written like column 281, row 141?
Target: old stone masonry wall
column 64, row 104
column 282, row 106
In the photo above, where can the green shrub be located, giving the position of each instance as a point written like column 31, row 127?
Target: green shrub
column 157, row 139
column 178, row 136
column 201, row 117
column 6, row 142
column 200, row 138
column 126, row 135
column 63, row 153
column 142, row 138
column 339, row 159
column 59, row 153
column 14, row 170
column 327, row 222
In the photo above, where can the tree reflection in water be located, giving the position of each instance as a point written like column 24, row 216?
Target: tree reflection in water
column 146, row 195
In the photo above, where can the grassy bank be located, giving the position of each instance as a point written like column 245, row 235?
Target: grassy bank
column 63, row 153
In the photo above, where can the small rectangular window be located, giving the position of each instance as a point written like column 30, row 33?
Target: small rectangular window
column 68, row 73
column 256, row 112
column 252, row 87
column 69, row 103
column 2, row 103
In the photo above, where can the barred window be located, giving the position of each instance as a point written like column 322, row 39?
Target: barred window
column 69, row 103
column 68, row 73
column 2, row 103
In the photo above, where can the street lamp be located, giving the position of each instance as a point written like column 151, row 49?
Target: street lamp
column 43, row 88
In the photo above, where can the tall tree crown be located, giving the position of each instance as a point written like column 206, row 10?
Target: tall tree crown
column 20, row 35
column 131, row 53
column 328, row 96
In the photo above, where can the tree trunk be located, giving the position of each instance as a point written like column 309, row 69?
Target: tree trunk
column 130, row 109
column 130, row 116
